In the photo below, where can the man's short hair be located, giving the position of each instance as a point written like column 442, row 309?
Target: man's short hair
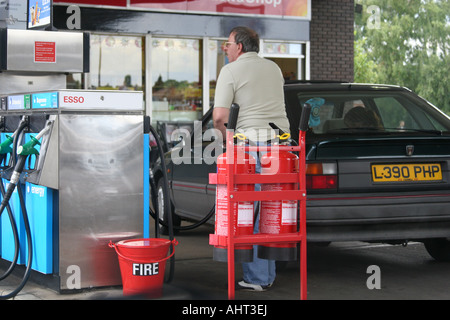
column 247, row 37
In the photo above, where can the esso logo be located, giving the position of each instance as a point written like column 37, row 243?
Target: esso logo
column 73, row 99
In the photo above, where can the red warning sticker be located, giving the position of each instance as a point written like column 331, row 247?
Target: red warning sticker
column 45, row 51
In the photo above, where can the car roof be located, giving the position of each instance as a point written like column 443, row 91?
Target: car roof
column 311, row 85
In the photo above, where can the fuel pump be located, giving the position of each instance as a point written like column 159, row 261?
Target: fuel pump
column 18, row 168
column 5, row 151
column 84, row 176
column 15, row 126
column 23, row 152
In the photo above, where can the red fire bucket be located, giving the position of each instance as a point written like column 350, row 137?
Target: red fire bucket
column 142, row 264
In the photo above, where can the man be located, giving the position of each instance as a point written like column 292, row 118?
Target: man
column 256, row 85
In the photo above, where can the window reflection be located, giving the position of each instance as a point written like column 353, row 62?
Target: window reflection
column 282, row 48
column 289, row 56
column 217, row 60
column 116, row 62
column 176, row 75
column 74, row 81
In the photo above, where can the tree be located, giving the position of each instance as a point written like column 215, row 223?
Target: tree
column 365, row 68
column 408, row 41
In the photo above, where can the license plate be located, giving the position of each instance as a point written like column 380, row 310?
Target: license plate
column 406, row 172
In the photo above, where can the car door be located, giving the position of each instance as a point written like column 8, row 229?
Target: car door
column 193, row 159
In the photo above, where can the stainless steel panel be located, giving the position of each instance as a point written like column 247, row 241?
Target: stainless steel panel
column 11, row 83
column 100, row 194
column 47, row 166
column 68, row 51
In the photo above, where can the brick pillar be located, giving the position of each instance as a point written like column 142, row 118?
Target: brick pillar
column 332, row 40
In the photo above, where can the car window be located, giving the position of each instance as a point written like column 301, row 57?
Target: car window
column 393, row 114
column 172, row 131
column 374, row 112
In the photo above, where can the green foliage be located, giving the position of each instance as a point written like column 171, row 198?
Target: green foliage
column 365, row 68
column 407, row 43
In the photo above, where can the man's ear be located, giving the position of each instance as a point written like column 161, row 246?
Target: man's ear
column 240, row 47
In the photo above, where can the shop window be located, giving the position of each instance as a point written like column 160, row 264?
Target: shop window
column 176, row 66
column 74, row 81
column 289, row 56
column 217, row 59
column 282, row 48
column 116, row 62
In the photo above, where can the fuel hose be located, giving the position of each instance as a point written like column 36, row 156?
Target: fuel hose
column 18, row 168
column 232, row 121
column 23, row 153
column 167, row 208
column 14, row 230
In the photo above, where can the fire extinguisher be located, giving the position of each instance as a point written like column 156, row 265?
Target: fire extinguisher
column 243, row 211
column 278, row 216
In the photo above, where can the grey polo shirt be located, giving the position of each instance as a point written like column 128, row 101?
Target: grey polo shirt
column 256, row 85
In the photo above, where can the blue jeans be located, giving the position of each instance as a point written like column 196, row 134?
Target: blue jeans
column 260, row 271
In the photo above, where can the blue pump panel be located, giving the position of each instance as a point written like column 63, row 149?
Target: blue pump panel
column 146, row 175
column 8, row 246
column 44, row 100
column 1, row 199
column 6, row 234
column 7, row 237
column 3, row 164
column 39, row 204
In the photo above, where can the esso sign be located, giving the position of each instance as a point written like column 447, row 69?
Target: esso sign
column 73, row 99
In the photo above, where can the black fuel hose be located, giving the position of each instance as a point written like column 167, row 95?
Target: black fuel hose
column 15, row 236
column 189, row 227
column 13, row 264
column 166, row 203
column 27, row 273
column 231, row 124
column 18, row 169
column 154, row 215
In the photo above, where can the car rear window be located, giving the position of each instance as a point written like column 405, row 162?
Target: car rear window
column 374, row 112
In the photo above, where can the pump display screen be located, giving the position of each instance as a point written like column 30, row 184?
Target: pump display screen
column 45, row 100
column 39, row 13
column 19, row 102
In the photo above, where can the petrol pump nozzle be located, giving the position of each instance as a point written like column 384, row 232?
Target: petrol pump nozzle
column 24, row 151
column 5, row 146
column 28, row 148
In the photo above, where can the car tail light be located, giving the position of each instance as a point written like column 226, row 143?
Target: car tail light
column 321, row 176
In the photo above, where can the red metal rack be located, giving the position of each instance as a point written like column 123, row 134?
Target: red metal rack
column 299, row 194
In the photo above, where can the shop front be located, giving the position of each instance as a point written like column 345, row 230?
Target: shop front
column 172, row 50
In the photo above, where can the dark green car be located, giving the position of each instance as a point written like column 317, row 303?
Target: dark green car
column 378, row 166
